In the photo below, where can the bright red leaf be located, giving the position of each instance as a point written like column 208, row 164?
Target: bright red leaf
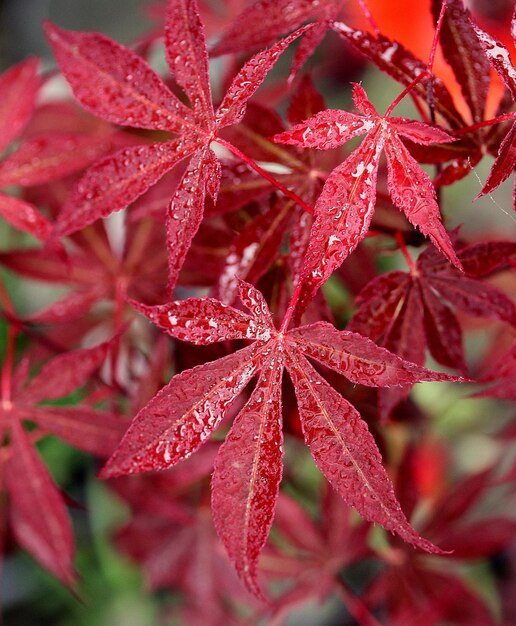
column 344, row 209
column 186, row 411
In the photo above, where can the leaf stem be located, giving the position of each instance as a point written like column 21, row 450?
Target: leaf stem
column 291, row 306
column 401, row 244
column 506, row 117
column 428, row 70
column 290, row 194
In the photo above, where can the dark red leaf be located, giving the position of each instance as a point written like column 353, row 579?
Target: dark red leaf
column 96, row 432
column 262, row 23
column 504, row 164
column 182, row 415
column 346, row 453
column 64, row 373
column 114, row 83
column 185, row 47
column 254, row 249
column 19, row 86
column 40, row 520
column 359, row 359
column 443, row 333
column 463, row 51
column 117, row 180
column 24, row 216
column 247, row 474
column 49, row 157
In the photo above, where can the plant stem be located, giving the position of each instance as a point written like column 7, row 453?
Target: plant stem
column 426, row 72
column 401, row 244
column 266, row 175
column 292, row 306
column 506, row 117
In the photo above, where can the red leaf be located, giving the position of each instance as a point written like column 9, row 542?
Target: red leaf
column 247, row 474
column 64, row 373
column 40, row 520
column 359, row 359
column 326, row 130
column 421, row 133
column 305, row 101
column 71, row 307
column 19, row 86
column 346, row 453
column 49, row 157
column 200, row 321
column 442, row 330
column 96, row 432
column 114, row 83
column 499, row 58
column 343, row 213
column 117, row 180
column 481, row 538
column 24, row 216
column 185, row 212
column 484, row 258
column 464, row 53
column 185, row 47
column 476, row 298
column 255, row 302
column 254, row 250
column 377, row 304
column 249, row 78
column 504, row 164
column 182, row 415
column 412, row 191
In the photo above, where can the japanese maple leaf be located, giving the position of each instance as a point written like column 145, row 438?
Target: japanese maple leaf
column 258, row 243
column 453, row 520
column 44, row 156
column 462, row 50
column 19, row 87
column 313, row 554
column 248, row 466
column 38, row 513
column 503, row 374
column 116, row 84
column 410, row 312
column 500, row 59
column 344, row 209
column 394, row 59
column 171, row 535
column 263, row 21
column 96, row 271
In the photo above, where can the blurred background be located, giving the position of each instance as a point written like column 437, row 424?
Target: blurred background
column 20, row 23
